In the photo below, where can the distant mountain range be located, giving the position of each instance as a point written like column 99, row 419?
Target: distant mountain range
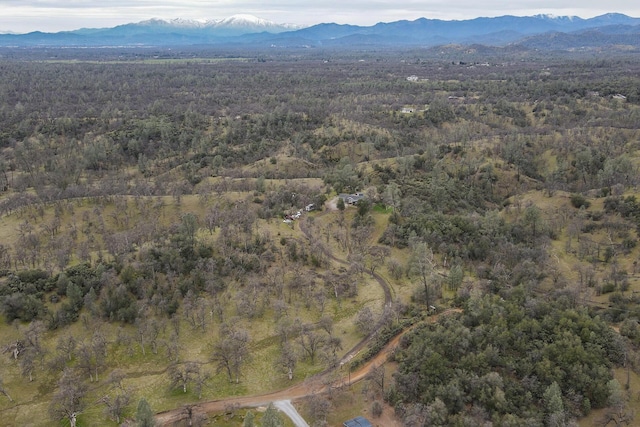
column 539, row 32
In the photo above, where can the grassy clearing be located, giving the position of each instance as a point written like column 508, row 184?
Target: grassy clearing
column 146, row 374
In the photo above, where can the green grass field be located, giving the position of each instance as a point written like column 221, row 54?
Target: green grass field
column 146, row 375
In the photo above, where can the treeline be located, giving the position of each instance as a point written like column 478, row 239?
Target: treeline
column 512, row 360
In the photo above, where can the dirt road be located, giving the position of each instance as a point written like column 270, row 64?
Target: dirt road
column 310, row 387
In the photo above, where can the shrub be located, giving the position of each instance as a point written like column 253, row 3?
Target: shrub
column 578, row 201
column 376, row 409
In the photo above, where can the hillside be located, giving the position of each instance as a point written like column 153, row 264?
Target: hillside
column 145, row 256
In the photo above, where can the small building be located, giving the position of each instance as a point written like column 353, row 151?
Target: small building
column 358, row 422
column 351, row 199
column 310, row 207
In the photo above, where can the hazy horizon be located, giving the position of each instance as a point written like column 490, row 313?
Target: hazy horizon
column 23, row 16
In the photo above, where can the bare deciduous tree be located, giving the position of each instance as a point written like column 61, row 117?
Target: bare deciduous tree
column 67, row 401
column 376, row 256
column 116, row 403
column 66, row 345
column 319, row 408
column 182, row 374
column 287, row 360
column 365, row 321
column 199, row 381
column 422, row 265
column 3, row 390
column 27, row 362
column 310, row 341
column 172, row 345
column 194, row 416
column 375, row 377
column 232, row 351
column 148, row 330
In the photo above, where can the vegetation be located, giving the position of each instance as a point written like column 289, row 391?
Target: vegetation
column 512, row 361
column 145, row 264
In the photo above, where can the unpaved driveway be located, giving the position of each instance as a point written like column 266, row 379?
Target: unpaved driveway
column 312, row 386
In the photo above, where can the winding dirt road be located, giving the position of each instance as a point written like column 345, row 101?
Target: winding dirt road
column 336, row 376
column 310, row 387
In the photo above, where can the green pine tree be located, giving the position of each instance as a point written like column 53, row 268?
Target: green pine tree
column 144, row 414
column 271, row 417
column 249, row 420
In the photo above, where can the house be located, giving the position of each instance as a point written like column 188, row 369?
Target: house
column 408, row 110
column 351, row 199
column 357, row 422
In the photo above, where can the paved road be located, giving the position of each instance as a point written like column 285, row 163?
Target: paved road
column 286, row 407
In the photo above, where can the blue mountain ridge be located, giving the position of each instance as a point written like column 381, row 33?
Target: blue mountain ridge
column 497, row 31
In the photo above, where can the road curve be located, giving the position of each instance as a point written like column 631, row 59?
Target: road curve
column 286, row 407
column 309, row 387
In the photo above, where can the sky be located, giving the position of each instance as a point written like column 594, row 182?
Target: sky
column 21, row 16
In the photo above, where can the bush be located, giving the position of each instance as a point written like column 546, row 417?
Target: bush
column 376, row 409
column 32, row 276
column 578, row 201
column 607, row 288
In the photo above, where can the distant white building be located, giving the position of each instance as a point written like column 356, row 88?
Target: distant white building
column 412, row 78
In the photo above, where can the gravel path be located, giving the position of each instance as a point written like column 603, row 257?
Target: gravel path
column 286, row 407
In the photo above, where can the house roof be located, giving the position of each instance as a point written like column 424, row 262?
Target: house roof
column 358, row 422
column 354, row 197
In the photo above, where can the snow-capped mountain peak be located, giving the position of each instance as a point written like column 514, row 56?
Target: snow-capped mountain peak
column 177, row 22
column 552, row 17
column 233, row 25
column 244, row 19
column 252, row 22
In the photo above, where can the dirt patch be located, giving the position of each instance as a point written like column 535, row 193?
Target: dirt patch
column 331, row 205
column 387, row 419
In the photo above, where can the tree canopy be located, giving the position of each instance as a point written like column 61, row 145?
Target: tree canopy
column 508, row 359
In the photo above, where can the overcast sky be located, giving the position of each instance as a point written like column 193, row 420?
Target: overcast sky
column 58, row 15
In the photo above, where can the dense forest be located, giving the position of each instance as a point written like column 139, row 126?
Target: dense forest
column 145, row 263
